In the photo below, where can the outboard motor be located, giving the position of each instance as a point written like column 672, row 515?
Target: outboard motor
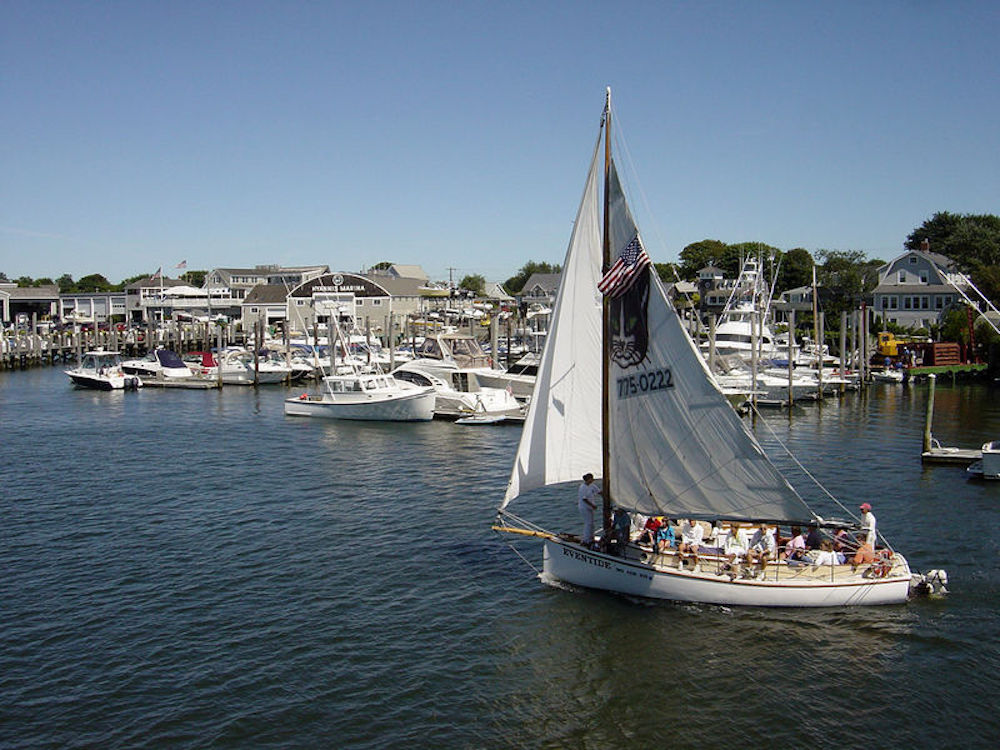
column 933, row 583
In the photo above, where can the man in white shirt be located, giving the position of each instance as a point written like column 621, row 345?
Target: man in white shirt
column 762, row 547
column 691, row 536
column 587, row 502
column 868, row 524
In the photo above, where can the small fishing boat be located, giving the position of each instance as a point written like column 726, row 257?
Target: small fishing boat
column 365, row 396
column 102, row 370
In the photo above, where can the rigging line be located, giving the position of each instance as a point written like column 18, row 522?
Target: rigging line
column 631, row 178
column 803, row 468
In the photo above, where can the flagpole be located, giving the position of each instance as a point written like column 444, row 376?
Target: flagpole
column 605, row 323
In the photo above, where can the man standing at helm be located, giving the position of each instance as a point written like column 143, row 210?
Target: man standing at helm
column 868, row 524
column 588, row 503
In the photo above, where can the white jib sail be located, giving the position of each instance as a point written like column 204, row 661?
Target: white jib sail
column 561, row 440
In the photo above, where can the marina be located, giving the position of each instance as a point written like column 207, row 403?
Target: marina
column 174, row 581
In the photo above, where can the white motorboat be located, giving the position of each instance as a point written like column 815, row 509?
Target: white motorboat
column 365, row 396
column 161, row 364
column 462, row 397
column 622, row 387
column 102, row 370
column 888, row 375
column 987, row 467
column 444, row 354
column 239, row 368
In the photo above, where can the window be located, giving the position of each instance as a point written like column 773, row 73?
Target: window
column 913, row 260
column 376, row 302
column 901, row 277
column 925, row 302
column 906, row 303
column 923, row 277
column 938, row 302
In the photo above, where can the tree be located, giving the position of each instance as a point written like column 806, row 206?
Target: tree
column 94, row 283
column 3, row 276
column 795, row 271
column 44, row 281
column 972, row 241
column 382, row 266
column 697, row 255
column 24, row 281
column 66, row 283
column 515, row 283
column 473, row 283
column 846, row 276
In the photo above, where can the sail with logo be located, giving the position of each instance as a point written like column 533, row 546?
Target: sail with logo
column 621, row 388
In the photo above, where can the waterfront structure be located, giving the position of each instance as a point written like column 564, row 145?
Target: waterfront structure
column 19, row 304
column 540, row 288
column 916, row 289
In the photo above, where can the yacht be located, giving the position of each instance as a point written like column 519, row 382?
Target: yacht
column 102, row 370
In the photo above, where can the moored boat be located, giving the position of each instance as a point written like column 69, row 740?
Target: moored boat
column 367, row 397
column 102, row 370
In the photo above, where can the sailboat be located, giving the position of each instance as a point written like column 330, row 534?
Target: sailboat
column 622, row 388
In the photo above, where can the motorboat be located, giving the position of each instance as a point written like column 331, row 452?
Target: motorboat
column 161, row 364
column 365, row 396
column 102, row 370
column 240, row 368
column 987, row 467
column 444, row 354
column 462, row 397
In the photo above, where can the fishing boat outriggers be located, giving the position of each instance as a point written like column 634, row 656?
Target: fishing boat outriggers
column 622, row 388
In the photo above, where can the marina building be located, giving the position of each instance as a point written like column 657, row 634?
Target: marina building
column 917, row 288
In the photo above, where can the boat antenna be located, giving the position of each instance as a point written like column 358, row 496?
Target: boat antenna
column 605, row 323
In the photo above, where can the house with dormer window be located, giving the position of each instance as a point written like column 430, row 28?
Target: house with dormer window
column 917, row 288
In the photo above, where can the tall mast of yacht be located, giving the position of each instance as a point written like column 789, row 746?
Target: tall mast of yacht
column 605, row 323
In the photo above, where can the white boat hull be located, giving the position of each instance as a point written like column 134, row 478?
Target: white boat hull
column 415, row 407
column 574, row 564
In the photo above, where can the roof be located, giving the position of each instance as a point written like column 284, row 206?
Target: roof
column 408, row 272
column 547, row 281
column 266, row 294
column 154, row 283
column 46, row 291
column 397, row 286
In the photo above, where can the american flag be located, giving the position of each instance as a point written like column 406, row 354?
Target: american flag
column 626, row 269
column 182, row 264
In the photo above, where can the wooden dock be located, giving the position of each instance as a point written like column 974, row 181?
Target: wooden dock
column 950, row 456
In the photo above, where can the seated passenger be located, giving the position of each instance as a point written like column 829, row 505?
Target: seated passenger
column 621, row 525
column 795, row 548
column 653, row 523
column 691, row 536
column 735, row 549
column 663, row 539
column 864, row 556
column 762, row 547
column 715, row 543
column 814, row 537
column 825, row 555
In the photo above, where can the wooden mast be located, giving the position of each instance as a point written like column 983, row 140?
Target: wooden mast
column 605, row 323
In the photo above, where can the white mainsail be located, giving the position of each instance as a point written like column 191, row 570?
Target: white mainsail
column 676, row 445
column 561, row 439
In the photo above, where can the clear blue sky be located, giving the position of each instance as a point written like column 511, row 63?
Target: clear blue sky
column 456, row 134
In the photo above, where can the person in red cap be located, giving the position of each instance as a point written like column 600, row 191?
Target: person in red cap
column 868, row 524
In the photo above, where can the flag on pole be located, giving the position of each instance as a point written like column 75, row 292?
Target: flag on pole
column 182, row 264
column 631, row 262
column 158, row 274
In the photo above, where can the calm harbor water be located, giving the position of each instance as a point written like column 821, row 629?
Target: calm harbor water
column 194, row 569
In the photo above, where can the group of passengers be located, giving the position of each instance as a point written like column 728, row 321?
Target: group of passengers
column 747, row 548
